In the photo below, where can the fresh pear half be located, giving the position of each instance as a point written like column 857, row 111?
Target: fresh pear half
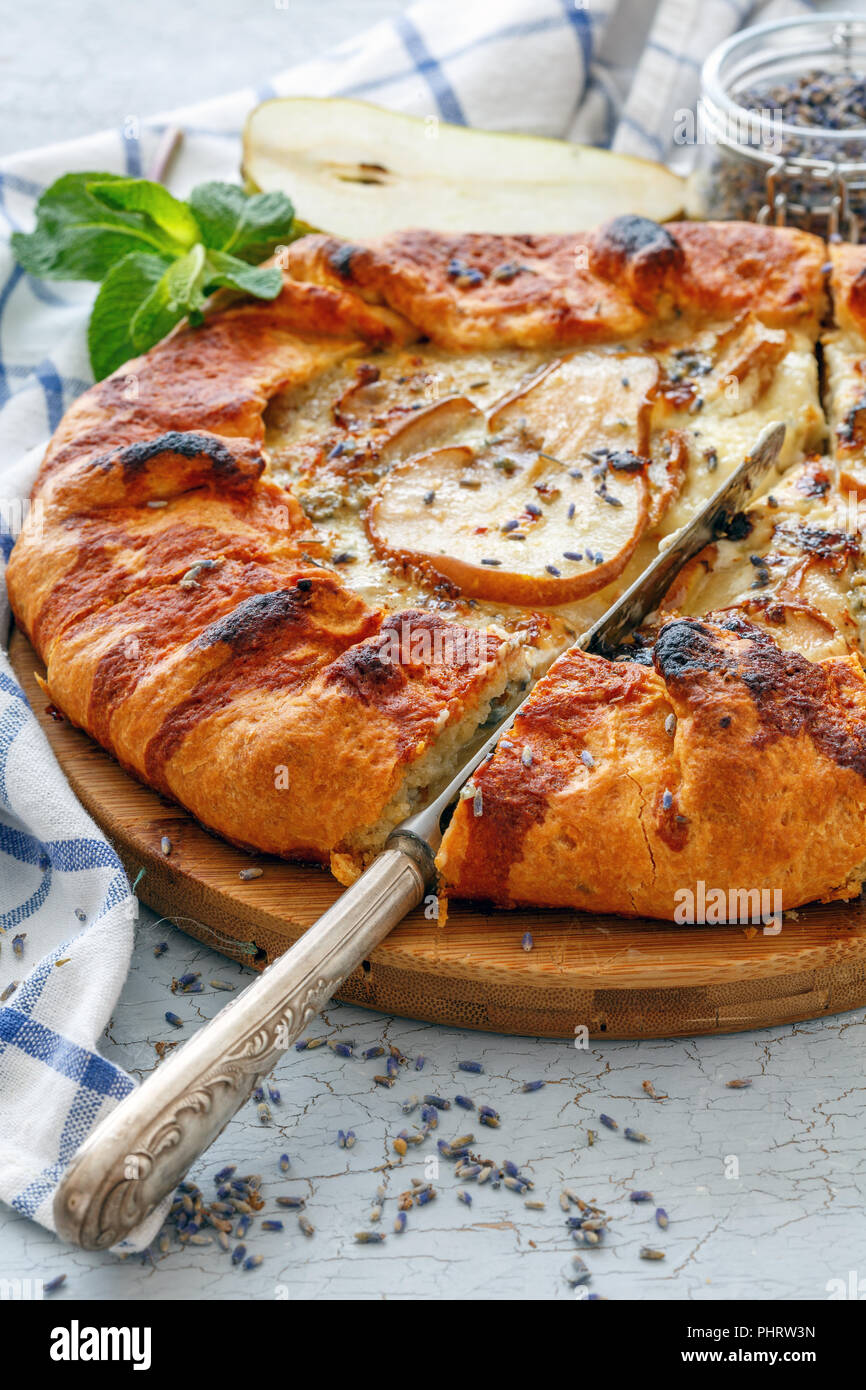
column 358, row 171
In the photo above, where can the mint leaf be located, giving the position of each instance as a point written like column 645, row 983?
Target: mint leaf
column 127, row 284
column 158, row 258
column 77, row 237
column 141, row 195
column 179, row 292
column 265, row 282
column 246, row 226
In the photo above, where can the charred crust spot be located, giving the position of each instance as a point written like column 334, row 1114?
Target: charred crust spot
column 413, row 643
column 257, row 618
column 189, row 445
column 824, row 545
column 366, row 673
column 632, row 236
column 639, row 250
column 791, row 695
column 685, row 647
column 340, row 260
column 736, row 527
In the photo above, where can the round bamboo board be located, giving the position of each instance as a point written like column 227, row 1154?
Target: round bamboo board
column 610, row 976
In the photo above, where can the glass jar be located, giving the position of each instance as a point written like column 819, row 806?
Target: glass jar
column 781, row 126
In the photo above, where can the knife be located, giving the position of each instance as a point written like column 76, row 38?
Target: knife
column 136, row 1156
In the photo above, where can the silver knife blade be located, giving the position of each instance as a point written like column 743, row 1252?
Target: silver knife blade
column 422, row 832
column 644, row 595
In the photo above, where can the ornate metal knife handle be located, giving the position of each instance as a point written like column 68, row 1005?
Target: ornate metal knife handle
column 137, row 1155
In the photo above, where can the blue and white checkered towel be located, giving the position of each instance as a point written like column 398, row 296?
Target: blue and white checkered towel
column 607, row 72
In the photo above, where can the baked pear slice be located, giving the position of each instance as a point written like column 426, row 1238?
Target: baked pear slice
column 552, row 505
column 539, row 536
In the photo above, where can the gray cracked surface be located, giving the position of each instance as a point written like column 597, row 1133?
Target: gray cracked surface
column 764, row 1186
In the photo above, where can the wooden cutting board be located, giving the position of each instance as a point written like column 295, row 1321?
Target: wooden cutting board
column 613, row 977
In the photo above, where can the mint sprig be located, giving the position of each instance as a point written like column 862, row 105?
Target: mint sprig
column 158, row 258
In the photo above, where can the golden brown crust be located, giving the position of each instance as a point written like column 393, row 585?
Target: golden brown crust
column 218, row 378
column 600, row 800
column 179, row 601
column 477, row 290
column 848, row 286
